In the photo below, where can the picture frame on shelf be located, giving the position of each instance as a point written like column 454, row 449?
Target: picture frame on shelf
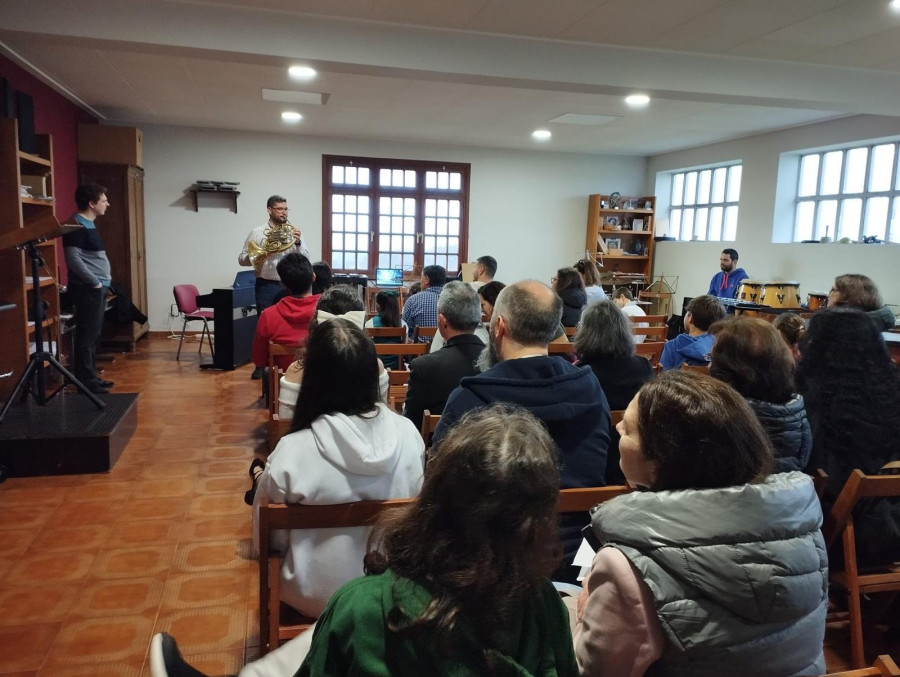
column 604, row 204
column 630, row 203
column 637, row 224
column 648, row 205
column 614, row 243
column 611, row 222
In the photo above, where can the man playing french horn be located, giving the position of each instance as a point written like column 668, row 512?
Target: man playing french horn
column 264, row 248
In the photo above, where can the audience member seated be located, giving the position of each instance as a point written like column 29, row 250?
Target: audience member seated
column 624, row 299
column 569, row 287
column 345, row 445
column 590, row 276
column 324, row 277
column 338, row 301
column 792, row 328
column 434, row 376
column 604, row 343
column 695, row 346
column 858, row 291
column 568, row 399
column 488, row 296
column 457, row 582
column 288, row 320
column 387, row 306
column 852, row 391
column 718, row 567
column 485, row 269
column 420, row 310
column 751, row 357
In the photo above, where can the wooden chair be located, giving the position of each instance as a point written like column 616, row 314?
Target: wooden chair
column 277, row 621
column 884, row 666
column 652, row 351
column 652, row 320
column 387, row 332
column 278, row 428
column 839, row 526
column 698, row 368
column 820, row 481
column 617, row 415
column 401, row 350
column 396, row 397
column 398, row 378
column 561, row 349
column 275, row 374
column 424, row 332
column 429, row 424
column 652, row 333
column 571, row 331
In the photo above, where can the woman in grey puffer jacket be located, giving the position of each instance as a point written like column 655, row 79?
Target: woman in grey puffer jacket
column 718, row 567
column 751, row 357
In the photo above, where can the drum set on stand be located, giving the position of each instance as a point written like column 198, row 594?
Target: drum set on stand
column 779, row 296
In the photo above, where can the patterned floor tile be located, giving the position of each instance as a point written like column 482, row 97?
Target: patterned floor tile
column 126, row 597
column 133, row 562
column 38, row 570
column 43, row 604
column 226, row 527
column 134, row 533
column 119, row 639
column 25, row 646
column 211, row 556
column 207, row 630
column 212, row 588
column 89, row 538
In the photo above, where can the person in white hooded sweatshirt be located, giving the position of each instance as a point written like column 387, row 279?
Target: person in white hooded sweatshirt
column 345, row 445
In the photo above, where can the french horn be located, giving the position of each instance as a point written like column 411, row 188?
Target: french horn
column 276, row 239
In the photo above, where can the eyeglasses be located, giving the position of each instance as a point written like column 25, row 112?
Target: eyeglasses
column 554, row 279
column 280, row 209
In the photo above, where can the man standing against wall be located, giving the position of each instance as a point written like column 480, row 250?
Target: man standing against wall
column 485, row 269
column 266, row 245
column 89, row 279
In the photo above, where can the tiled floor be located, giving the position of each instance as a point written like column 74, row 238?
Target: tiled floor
column 91, row 566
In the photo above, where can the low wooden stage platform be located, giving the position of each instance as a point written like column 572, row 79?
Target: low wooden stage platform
column 67, row 436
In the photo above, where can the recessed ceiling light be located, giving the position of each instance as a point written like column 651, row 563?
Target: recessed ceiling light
column 637, row 100
column 541, row 134
column 291, row 116
column 302, row 72
column 895, row 5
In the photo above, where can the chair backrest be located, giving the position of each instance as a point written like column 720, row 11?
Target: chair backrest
column 186, row 298
column 652, row 333
column 652, row 320
column 651, row 350
column 884, row 666
column 698, row 368
column 360, row 513
column 820, row 481
column 616, row 415
column 278, row 428
column 275, row 373
column 423, row 332
column 398, row 378
column 396, row 397
column 387, row 332
column 429, row 425
column 561, row 349
column 571, row 331
column 857, row 487
column 401, row 350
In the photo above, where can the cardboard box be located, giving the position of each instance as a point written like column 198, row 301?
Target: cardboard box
column 113, row 145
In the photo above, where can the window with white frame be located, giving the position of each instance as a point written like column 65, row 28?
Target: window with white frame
column 704, row 203
column 852, row 193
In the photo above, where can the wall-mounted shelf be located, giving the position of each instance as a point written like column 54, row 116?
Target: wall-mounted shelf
column 208, row 191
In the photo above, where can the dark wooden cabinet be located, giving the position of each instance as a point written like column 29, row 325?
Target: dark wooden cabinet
column 122, row 230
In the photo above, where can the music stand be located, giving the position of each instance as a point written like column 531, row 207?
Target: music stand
column 27, row 239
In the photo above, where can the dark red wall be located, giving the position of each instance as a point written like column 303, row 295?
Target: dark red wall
column 59, row 117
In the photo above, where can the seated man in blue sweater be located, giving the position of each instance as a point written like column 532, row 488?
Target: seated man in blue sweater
column 695, row 346
column 724, row 284
column 566, row 398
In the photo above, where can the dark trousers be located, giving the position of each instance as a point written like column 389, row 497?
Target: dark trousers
column 266, row 291
column 89, row 304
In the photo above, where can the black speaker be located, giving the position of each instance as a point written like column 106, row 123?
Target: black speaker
column 7, row 99
column 25, row 116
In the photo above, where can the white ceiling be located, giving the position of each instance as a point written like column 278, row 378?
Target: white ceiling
column 470, row 72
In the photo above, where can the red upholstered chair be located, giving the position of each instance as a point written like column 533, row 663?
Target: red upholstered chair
column 186, row 300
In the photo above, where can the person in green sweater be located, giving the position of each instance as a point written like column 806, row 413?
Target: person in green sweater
column 457, row 582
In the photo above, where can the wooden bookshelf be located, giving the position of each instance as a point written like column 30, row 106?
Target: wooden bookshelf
column 621, row 238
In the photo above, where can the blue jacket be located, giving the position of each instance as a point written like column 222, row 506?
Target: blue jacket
column 731, row 282
column 788, row 430
column 686, row 348
column 569, row 401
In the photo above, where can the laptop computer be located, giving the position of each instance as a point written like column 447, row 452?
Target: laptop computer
column 388, row 277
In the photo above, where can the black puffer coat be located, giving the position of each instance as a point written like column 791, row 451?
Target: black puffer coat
column 788, row 430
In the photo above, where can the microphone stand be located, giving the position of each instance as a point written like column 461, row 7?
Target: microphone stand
column 33, row 378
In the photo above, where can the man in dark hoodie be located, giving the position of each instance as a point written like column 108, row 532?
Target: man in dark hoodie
column 566, row 398
column 725, row 283
column 288, row 320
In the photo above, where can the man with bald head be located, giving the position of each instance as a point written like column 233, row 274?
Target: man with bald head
column 568, row 399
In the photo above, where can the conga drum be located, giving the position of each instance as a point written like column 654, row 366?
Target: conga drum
column 749, row 291
column 781, row 294
column 816, row 300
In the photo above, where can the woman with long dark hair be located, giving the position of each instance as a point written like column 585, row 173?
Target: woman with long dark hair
column 750, row 356
column 345, row 445
column 457, row 582
column 590, row 275
column 718, row 567
column 852, row 391
column 387, row 305
column 569, row 286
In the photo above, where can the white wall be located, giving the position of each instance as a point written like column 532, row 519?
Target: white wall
column 813, row 265
column 528, row 209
